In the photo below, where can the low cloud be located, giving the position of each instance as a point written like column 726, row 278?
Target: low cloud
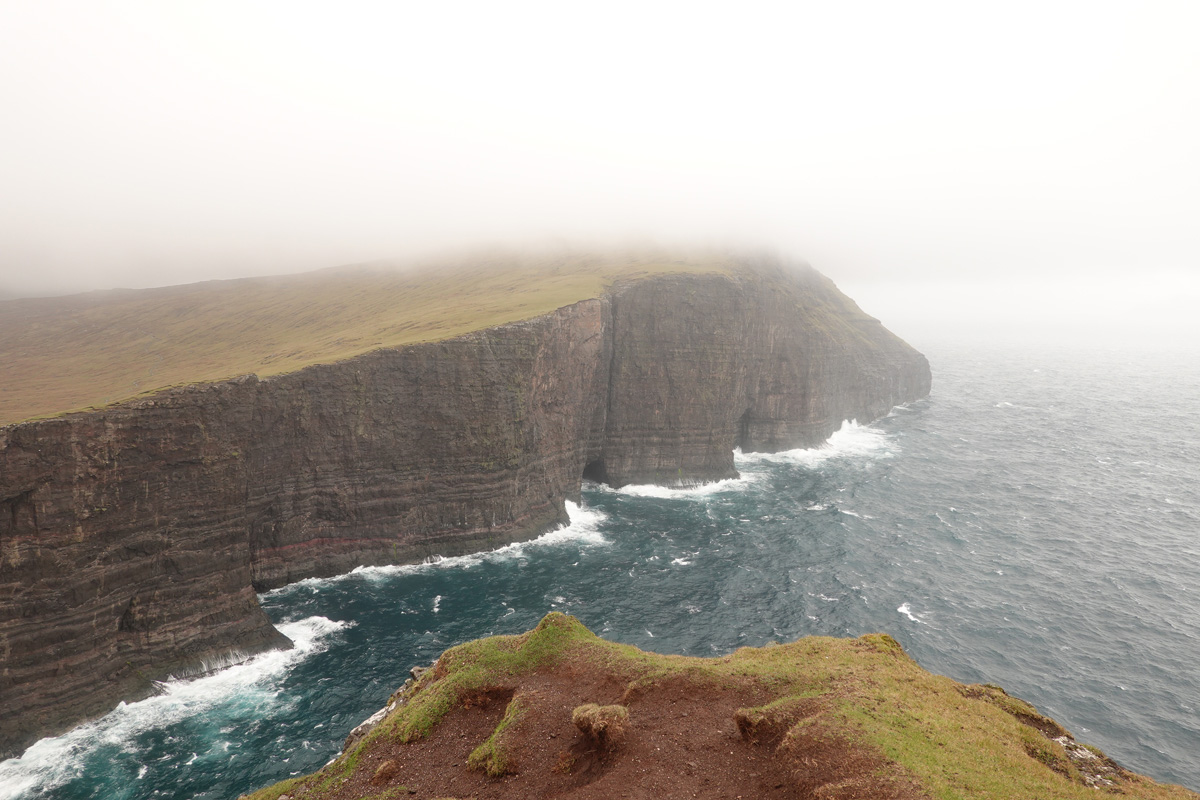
column 932, row 144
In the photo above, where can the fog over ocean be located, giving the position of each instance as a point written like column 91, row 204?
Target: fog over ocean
column 1032, row 524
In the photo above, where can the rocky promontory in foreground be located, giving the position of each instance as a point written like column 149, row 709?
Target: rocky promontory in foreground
column 382, row 418
column 559, row 712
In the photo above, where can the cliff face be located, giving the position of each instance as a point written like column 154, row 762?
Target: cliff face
column 123, row 554
column 444, row 448
column 703, row 364
column 133, row 538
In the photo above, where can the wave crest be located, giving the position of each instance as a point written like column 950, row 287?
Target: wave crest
column 252, row 684
column 849, row 441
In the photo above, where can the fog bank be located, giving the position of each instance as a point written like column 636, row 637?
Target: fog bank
column 930, row 144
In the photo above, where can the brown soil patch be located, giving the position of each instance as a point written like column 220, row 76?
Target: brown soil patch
column 681, row 740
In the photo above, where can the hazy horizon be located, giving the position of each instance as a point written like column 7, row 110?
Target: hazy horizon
column 947, row 165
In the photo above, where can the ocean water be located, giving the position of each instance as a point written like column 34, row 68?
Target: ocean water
column 1035, row 523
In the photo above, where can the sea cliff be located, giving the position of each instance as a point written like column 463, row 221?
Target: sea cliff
column 133, row 538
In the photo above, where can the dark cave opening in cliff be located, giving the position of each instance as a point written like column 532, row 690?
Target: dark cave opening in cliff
column 594, row 471
column 743, row 431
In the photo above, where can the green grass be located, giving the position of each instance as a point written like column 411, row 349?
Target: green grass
column 479, row 665
column 948, row 739
column 84, row 351
column 461, row 671
column 493, row 756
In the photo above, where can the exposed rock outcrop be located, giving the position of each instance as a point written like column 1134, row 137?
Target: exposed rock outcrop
column 133, row 538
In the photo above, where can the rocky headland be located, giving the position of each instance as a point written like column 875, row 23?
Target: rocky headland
column 559, row 712
column 135, row 535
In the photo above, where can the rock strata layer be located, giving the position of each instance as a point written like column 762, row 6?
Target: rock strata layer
column 133, row 539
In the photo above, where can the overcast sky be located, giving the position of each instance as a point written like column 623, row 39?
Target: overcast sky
column 905, row 149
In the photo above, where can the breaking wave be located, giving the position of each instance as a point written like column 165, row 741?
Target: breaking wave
column 253, row 685
column 697, row 491
column 850, row 441
column 584, row 528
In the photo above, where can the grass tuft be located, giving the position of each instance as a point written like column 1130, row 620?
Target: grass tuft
column 602, row 726
column 494, row 756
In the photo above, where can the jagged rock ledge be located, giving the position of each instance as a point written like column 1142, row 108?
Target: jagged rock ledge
column 133, row 538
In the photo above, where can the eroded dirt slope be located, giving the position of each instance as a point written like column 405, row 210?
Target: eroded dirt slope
column 559, row 713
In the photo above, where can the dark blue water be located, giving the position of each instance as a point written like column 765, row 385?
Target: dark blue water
column 1035, row 523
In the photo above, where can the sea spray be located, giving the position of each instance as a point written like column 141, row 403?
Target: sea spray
column 583, row 528
column 691, row 491
column 247, row 688
column 851, row 440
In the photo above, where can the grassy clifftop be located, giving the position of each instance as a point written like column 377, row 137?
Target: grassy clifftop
column 559, row 712
column 66, row 354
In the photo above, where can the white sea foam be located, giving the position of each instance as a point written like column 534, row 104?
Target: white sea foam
column 53, row 761
column 583, row 528
column 698, row 491
column 906, row 610
column 850, row 441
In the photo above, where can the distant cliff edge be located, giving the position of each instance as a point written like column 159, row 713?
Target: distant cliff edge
column 133, row 538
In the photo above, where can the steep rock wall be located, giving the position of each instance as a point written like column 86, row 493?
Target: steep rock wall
column 443, row 448
column 123, row 554
column 765, row 361
column 132, row 539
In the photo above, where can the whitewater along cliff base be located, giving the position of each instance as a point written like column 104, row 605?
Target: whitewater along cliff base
column 559, row 712
column 384, row 417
